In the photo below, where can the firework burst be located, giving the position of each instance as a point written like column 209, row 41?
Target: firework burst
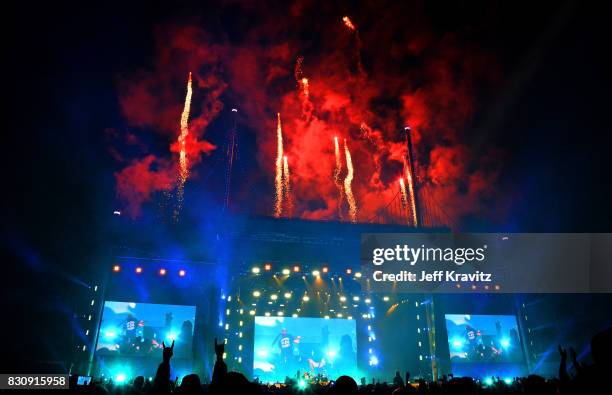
column 183, row 160
column 278, row 180
column 350, row 198
column 287, row 188
column 337, row 171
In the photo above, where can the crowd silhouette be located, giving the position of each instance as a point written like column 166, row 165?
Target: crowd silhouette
column 584, row 379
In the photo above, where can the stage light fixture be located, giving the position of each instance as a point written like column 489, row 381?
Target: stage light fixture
column 286, row 272
column 316, row 273
column 267, row 314
column 325, row 269
column 296, row 268
column 138, row 270
column 343, row 298
column 116, row 268
column 358, row 275
column 274, row 296
column 349, row 271
column 252, row 312
column 306, row 298
column 120, row 378
column 267, row 267
column 508, row 380
column 287, row 295
column 356, row 298
column 255, row 270
column 182, row 273
column 162, row 272
column 386, row 298
column 326, row 317
column 280, row 314
column 256, row 294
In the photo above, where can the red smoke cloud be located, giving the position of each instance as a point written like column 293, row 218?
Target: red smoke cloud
column 364, row 85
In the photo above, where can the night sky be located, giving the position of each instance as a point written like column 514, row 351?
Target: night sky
column 542, row 110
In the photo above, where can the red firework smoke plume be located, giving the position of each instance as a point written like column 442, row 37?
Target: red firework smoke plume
column 411, row 77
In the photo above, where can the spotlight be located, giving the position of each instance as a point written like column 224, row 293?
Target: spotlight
column 316, row 273
column 120, row 378
column 343, row 298
column 287, row 295
column 325, row 269
column 252, row 312
column 162, row 272
column 274, row 296
column 373, row 360
column 296, row 268
column 349, row 271
column 138, row 270
column 280, row 313
column 386, row 298
column 505, row 342
column 368, row 300
column 286, row 272
column 356, row 298
column 267, row 267
column 305, row 298
column 116, row 268
column 182, row 273
column 255, row 270
column 508, row 380
column 358, row 275
column 256, row 294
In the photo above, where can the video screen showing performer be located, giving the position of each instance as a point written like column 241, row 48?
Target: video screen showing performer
column 311, row 348
column 483, row 338
column 138, row 329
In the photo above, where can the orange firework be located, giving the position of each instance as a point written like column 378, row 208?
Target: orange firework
column 183, row 162
column 347, row 185
column 404, row 195
column 411, row 197
column 278, row 181
column 337, row 171
column 348, row 23
column 287, row 186
column 305, row 90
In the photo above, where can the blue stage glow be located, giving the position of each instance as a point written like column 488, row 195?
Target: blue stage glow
column 120, row 378
column 488, row 381
column 373, row 360
column 110, row 334
column 505, row 342
column 508, row 380
column 302, row 384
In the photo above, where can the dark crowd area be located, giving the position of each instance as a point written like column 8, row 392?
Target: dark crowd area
column 574, row 377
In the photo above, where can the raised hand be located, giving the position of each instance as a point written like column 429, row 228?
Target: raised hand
column 219, row 349
column 563, row 353
column 168, row 352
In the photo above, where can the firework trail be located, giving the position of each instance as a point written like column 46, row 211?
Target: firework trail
column 304, row 89
column 278, row 181
column 349, row 24
column 287, row 187
column 404, row 196
column 183, row 162
column 411, row 197
column 347, row 185
column 351, row 27
column 337, row 181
